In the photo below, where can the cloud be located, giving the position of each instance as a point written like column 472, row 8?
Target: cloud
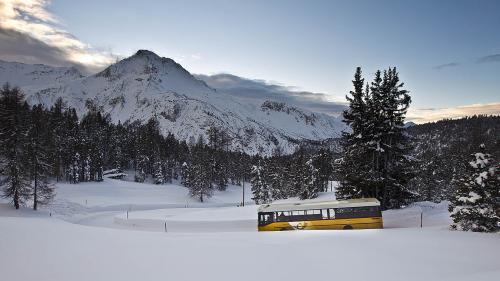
column 27, row 25
column 19, row 47
column 446, row 65
column 257, row 91
column 489, row 59
column 423, row 115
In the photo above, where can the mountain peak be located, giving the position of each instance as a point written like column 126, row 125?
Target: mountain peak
column 153, row 59
column 142, row 62
column 146, row 53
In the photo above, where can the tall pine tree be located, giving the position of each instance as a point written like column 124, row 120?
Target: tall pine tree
column 376, row 160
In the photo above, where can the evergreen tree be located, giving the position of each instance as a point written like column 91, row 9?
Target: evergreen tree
column 74, row 170
column 200, row 173
column 158, row 173
column 217, row 142
column 312, row 183
column 185, row 174
column 58, row 142
column 393, row 145
column 167, row 171
column 323, row 163
column 298, row 174
column 14, row 118
column 474, row 207
column 276, row 173
column 260, row 188
column 38, row 159
column 351, row 169
column 376, row 160
column 86, row 169
column 141, row 166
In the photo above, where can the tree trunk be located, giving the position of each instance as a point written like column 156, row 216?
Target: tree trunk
column 35, row 194
column 16, row 198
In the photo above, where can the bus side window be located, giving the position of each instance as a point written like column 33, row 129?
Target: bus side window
column 324, row 213
column 282, row 216
column 332, row 213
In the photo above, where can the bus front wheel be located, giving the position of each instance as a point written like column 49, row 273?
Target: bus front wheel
column 348, row 227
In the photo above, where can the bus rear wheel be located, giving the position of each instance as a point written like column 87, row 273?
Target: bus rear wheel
column 348, row 227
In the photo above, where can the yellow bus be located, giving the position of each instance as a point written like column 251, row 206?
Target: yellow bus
column 309, row 214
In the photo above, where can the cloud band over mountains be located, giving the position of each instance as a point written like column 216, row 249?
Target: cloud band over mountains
column 256, row 91
column 424, row 115
column 30, row 34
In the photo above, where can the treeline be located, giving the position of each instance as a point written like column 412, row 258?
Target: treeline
column 443, row 150
column 55, row 144
column 457, row 160
column 41, row 144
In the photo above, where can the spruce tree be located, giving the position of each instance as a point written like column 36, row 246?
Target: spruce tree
column 395, row 164
column 74, row 170
column 312, row 183
column 14, row 118
column 87, row 169
column 260, row 188
column 276, row 173
column 200, row 172
column 57, row 129
column 323, row 162
column 141, row 166
column 475, row 207
column 351, row 169
column 186, row 174
column 158, row 173
column 167, row 168
column 376, row 161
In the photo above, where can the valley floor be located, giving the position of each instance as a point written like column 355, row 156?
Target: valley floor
column 86, row 235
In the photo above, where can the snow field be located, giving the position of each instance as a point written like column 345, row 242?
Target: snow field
column 63, row 251
column 210, row 242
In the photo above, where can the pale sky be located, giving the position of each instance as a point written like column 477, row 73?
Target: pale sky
column 447, row 52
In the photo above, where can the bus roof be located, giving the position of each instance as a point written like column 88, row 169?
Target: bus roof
column 308, row 204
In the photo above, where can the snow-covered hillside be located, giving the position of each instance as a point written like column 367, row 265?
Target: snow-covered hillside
column 146, row 85
column 35, row 78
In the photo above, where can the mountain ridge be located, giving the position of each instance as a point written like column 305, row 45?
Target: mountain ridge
column 146, row 85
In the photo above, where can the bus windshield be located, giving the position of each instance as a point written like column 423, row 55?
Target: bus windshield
column 266, row 218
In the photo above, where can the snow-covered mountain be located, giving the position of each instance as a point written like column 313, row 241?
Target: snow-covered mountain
column 146, row 85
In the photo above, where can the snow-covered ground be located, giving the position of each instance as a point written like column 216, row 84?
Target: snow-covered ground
column 88, row 237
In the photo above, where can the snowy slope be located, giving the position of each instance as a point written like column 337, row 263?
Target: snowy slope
column 37, row 80
column 146, row 85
